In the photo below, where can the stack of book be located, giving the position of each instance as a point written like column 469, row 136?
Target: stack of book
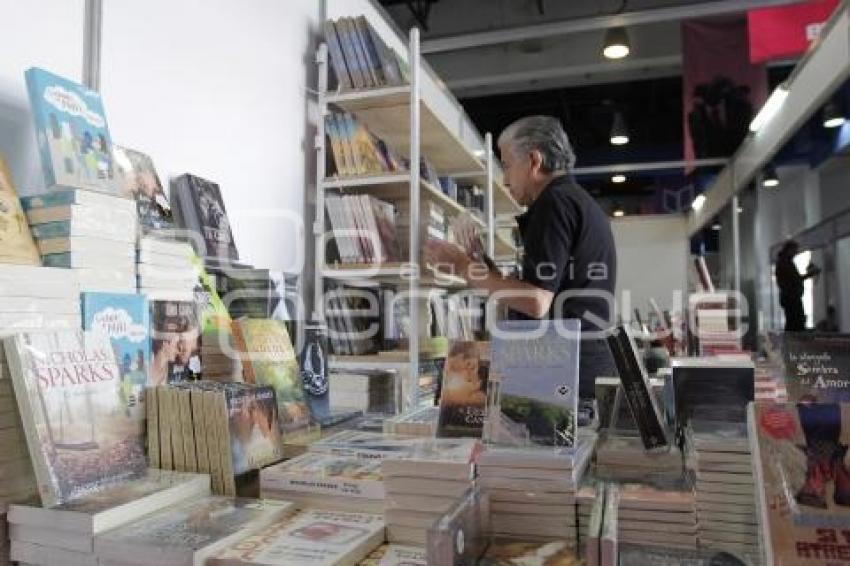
column 34, row 298
column 188, row 533
column 396, row 555
column 312, row 536
column 533, row 490
column 356, row 150
column 92, row 233
column 590, row 499
column 372, row 392
column 224, row 429
column 655, row 516
column 423, row 484
column 64, row 534
column 325, row 481
column 359, row 57
column 218, row 346
column 364, row 229
column 164, row 269
column 434, row 223
column 725, row 490
column 419, row 422
column 623, row 458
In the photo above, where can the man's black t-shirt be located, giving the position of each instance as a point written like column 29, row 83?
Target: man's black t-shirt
column 569, row 250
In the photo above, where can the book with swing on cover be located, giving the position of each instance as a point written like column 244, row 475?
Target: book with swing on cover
column 80, row 432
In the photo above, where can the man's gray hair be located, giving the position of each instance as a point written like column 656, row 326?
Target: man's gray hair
column 544, row 134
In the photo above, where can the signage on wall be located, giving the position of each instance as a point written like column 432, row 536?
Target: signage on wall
column 786, row 31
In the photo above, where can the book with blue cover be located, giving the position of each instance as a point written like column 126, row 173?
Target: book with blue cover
column 125, row 319
column 72, row 133
column 534, row 378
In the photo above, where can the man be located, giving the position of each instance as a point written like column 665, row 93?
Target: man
column 569, row 266
column 790, row 283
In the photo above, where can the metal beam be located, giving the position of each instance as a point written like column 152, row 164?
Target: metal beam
column 92, row 39
column 648, row 166
column 565, row 27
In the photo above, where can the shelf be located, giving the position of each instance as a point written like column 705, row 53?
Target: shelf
column 392, row 272
column 503, row 202
column 386, row 112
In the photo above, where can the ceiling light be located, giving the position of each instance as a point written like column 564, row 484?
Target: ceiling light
column 740, row 209
column 716, row 227
column 698, row 202
column 770, row 108
column 479, row 153
column 619, row 131
column 616, row 44
column 769, row 178
column 833, row 117
column 619, row 212
column 618, row 178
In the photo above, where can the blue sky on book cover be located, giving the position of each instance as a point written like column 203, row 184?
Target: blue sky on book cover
column 72, row 132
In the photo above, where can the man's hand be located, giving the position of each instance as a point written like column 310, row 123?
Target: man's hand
column 446, row 257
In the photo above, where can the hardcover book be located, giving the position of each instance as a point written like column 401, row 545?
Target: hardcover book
column 313, row 537
column 125, row 319
column 73, row 137
column 190, row 533
column 463, row 397
column 269, row 359
column 534, row 372
column 201, row 209
column 801, row 476
column 16, row 243
column 80, row 433
column 176, row 342
column 817, row 367
column 139, row 181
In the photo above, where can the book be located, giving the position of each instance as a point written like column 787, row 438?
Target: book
column 514, row 551
column 337, row 58
column 395, row 555
column 534, row 372
column 463, row 396
column 638, row 392
column 114, row 505
column 189, row 533
column 140, row 182
column 16, row 241
column 313, row 536
column 268, row 358
column 176, row 342
column 72, row 133
column 125, row 319
column 79, row 431
column 467, row 521
column 326, row 474
column 816, row 367
column 712, row 389
column 313, row 367
column 253, row 427
column 201, row 210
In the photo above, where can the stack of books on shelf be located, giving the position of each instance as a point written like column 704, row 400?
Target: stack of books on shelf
column 657, row 516
column 472, row 198
column 349, row 322
column 189, row 533
column 359, row 57
column 92, row 233
column 64, row 534
column 34, row 298
column 719, row 453
column 247, row 291
column 623, row 458
column 224, row 429
column 371, row 392
column 433, row 223
column 326, row 481
column 356, row 151
column 364, row 229
column 533, row 490
column 312, row 536
column 423, row 484
column 164, row 269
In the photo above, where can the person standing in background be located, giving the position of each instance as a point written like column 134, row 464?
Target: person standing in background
column 790, row 283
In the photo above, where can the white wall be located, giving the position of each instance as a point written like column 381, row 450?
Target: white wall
column 652, row 261
column 219, row 88
column 41, row 33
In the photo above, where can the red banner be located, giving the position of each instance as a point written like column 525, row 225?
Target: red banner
column 786, row 31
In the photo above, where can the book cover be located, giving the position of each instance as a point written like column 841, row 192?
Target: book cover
column 802, row 479
column 255, row 438
column 72, row 133
column 314, row 536
column 176, row 342
column 202, row 210
column 336, row 56
column 125, row 319
column 140, row 182
column 16, row 242
column 326, row 474
column 817, row 367
column 534, row 365
column 515, row 551
column 712, row 389
column 79, row 432
column 313, row 363
column 190, row 532
column 269, row 359
column 395, row 555
column 463, row 397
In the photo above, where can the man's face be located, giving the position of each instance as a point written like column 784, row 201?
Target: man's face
column 517, row 169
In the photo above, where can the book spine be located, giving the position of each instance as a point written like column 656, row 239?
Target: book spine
column 351, row 136
column 198, row 423
column 360, row 54
column 336, row 146
column 351, row 60
column 345, row 144
column 337, row 59
column 178, row 446
column 211, row 400
column 185, row 398
column 369, row 50
column 165, row 451
column 389, row 66
column 223, row 422
column 352, row 230
column 152, row 418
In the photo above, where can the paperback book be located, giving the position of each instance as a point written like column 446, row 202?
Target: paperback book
column 201, row 210
column 16, row 241
column 73, row 137
column 463, row 397
column 534, row 377
column 139, row 181
column 79, row 429
column 176, row 342
column 713, row 389
column 817, row 367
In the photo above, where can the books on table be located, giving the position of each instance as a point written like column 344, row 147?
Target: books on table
column 140, row 182
column 463, row 396
column 816, row 367
column 16, row 242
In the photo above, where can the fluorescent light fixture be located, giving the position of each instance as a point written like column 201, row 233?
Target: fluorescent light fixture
column 619, row 130
column 616, row 44
column 698, row 202
column 619, row 140
column 770, row 108
column 833, row 117
column 769, row 178
column 618, row 178
column 619, row 213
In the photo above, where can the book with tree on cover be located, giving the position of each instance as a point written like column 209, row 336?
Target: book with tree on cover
column 463, row 396
column 16, row 242
column 79, row 432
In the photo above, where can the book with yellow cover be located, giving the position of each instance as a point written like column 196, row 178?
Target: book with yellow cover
column 16, row 243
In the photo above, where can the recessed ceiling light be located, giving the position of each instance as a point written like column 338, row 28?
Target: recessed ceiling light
column 618, row 178
column 616, row 44
column 619, row 213
column 833, row 117
column 698, row 202
column 619, row 130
